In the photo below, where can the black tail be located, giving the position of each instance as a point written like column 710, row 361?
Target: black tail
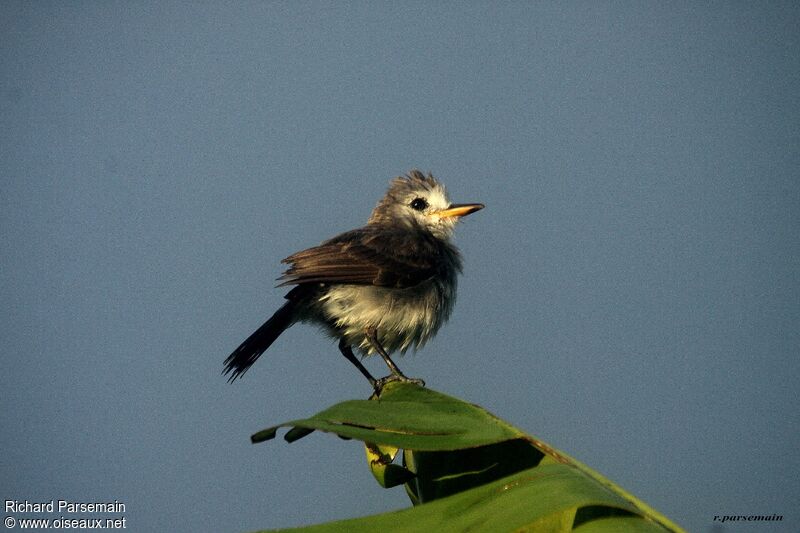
column 250, row 350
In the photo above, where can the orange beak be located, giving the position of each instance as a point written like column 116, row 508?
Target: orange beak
column 459, row 210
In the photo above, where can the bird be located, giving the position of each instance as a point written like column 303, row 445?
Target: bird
column 385, row 287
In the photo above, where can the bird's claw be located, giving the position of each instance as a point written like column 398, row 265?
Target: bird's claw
column 378, row 384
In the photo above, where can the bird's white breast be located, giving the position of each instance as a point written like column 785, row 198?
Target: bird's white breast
column 403, row 317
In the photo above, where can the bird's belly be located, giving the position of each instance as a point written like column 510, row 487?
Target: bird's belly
column 402, row 317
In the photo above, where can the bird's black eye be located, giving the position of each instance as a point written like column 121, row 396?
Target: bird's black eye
column 418, row 204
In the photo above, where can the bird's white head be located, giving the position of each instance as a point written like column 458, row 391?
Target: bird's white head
column 417, row 201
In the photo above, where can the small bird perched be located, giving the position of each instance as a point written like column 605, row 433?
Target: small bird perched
column 384, row 287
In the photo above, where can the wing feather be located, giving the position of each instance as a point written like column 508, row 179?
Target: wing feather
column 368, row 256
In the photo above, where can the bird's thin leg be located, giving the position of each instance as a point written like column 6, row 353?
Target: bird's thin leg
column 372, row 337
column 348, row 353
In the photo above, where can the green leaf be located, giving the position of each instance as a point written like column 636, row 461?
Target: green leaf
column 470, row 470
column 407, row 416
column 440, row 474
column 540, row 499
column 629, row 524
column 388, row 475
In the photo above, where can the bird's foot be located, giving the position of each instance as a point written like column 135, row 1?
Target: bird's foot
column 378, row 384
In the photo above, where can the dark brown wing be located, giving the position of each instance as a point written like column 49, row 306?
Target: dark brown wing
column 369, row 256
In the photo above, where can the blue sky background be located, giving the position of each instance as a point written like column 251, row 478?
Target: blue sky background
column 630, row 292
